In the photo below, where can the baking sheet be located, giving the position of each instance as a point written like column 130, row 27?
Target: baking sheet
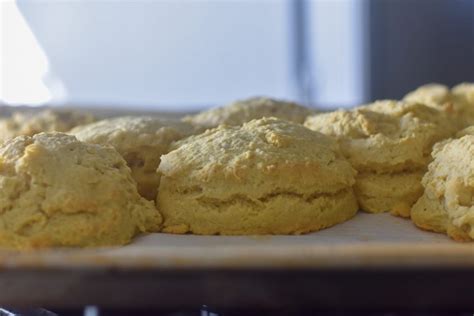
column 368, row 240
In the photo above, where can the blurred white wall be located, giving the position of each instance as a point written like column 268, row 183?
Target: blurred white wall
column 188, row 54
column 338, row 52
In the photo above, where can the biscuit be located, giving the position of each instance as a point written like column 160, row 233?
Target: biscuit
column 463, row 98
column 466, row 131
column 243, row 111
column 459, row 100
column 58, row 191
column 447, row 205
column 268, row 176
column 396, row 192
column 432, row 94
column 48, row 120
column 140, row 140
column 389, row 144
column 463, row 93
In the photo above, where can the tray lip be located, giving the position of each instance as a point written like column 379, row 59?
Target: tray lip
column 321, row 257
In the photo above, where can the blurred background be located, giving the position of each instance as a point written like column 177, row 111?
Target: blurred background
column 191, row 54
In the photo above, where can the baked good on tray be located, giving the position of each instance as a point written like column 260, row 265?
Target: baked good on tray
column 140, row 140
column 47, row 120
column 432, row 94
column 268, row 176
column 58, row 191
column 242, row 111
column 459, row 100
column 389, row 144
column 447, row 204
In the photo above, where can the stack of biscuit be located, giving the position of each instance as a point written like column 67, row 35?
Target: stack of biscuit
column 268, row 176
column 255, row 166
column 389, row 144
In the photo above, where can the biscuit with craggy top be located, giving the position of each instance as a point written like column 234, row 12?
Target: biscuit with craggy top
column 243, row 111
column 459, row 100
column 140, row 140
column 58, row 191
column 463, row 93
column 268, row 176
column 389, row 144
column 48, row 120
column 447, row 204
column 432, row 94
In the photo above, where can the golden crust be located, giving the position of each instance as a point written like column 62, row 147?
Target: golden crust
column 140, row 140
column 243, row 111
column 57, row 191
column 254, row 169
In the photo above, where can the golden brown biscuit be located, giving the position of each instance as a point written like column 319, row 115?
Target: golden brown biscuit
column 396, row 192
column 48, row 120
column 463, row 94
column 447, row 204
column 467, row 131
column 429, row 214
column 140, row 140
column 268, row 176
column 433, row 94
column 58, row 191
column 389, row 144
column 243, row 111
column 459, row 100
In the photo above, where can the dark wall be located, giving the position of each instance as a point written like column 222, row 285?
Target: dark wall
column 413, row 42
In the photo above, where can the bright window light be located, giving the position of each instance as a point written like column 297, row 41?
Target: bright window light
column 23, row 64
